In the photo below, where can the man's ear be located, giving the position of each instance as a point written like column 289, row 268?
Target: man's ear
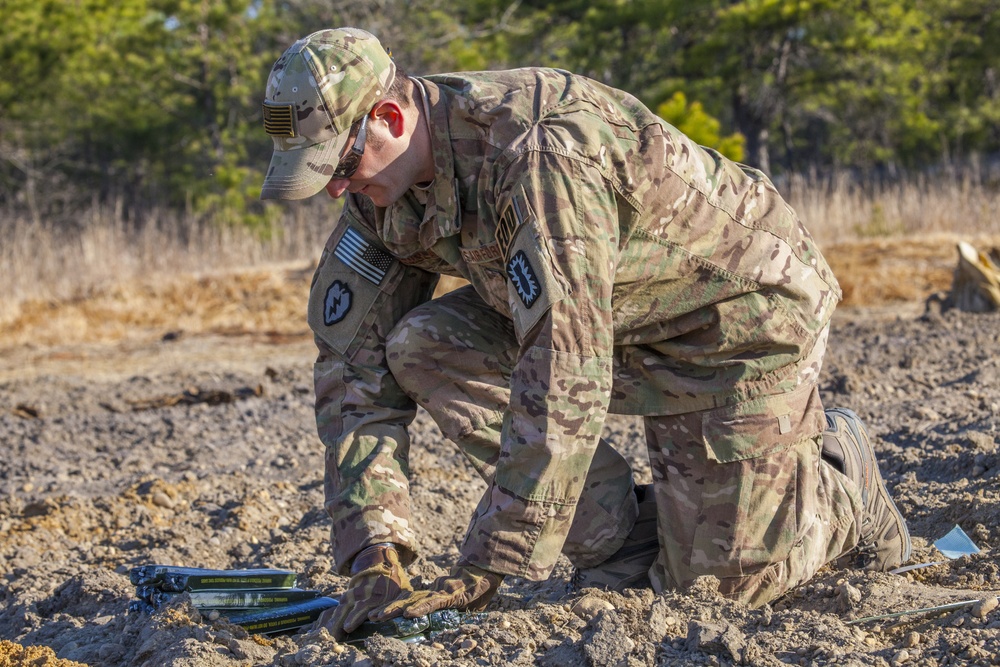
column 390, row 113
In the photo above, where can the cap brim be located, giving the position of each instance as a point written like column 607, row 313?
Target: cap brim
column 302, row 172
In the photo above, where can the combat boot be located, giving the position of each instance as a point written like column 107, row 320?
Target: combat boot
column 884, row 541
column 629, row 566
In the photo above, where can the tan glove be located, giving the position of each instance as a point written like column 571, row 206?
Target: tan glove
column 467, row 588
column 377, row 578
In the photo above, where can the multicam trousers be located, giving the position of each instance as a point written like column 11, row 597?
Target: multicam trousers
column 742, row 494
column 741, row 491
column 454, row 356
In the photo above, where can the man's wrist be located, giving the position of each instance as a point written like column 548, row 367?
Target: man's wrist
column 372, row 555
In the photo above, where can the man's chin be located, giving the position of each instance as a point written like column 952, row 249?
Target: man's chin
column 380, row 198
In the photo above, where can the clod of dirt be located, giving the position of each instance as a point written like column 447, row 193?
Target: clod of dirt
column 718, row 638
column 985, row 606
column 590, row 606
column 15, row 655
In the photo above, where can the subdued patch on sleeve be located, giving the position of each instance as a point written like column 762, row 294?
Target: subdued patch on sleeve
column 512, row 218
column 533, row 283
column 349, row 283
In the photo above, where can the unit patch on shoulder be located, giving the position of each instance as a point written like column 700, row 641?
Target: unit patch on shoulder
column 337, row 303
column 355, row 251
column 522, row 277
column 511, row 218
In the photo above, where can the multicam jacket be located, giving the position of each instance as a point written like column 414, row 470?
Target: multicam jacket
column 643, row 274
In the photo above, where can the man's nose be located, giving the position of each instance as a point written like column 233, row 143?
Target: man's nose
column 337, row 187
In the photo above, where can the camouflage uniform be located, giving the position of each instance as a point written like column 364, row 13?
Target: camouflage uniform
column 614, row 266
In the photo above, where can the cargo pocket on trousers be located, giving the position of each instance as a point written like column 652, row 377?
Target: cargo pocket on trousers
column 750, row 504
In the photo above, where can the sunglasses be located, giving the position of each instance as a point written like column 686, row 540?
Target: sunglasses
column 350, row 162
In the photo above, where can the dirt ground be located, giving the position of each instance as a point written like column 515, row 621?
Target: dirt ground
column 141, row 439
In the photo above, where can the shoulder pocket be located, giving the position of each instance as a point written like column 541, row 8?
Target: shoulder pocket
column 353, row 279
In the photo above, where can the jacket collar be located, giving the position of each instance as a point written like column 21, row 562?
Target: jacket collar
column 442, row 217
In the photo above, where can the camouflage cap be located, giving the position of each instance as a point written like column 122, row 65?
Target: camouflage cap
column 317, row 89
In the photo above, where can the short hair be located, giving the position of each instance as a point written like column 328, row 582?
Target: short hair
column 399, row 89
column 399, row 92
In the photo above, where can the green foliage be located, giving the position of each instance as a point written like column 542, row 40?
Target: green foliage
column 807, row 82
column 691, row 119
column 156, row 102
column 130, row 95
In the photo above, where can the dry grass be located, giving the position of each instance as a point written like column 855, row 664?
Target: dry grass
column 897, row 243
column 883, row 272
column 40, row 261
column 266, row 300
column 109, row 282
column 837, row 209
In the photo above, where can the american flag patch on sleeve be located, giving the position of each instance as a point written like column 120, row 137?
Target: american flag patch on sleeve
column 356, row 252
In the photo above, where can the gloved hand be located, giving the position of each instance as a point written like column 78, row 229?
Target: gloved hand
column 467, row 588
column 377, row 578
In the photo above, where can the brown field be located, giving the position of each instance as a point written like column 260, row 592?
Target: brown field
column 268, row 300
column 109, row 280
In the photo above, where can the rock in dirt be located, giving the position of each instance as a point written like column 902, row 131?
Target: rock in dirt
column 160, row 499
column 661, row 619
column 717, row 638
column 982, row 608
column 848, row 596
column 590, row 606
column 385, row 651
column 607, row 643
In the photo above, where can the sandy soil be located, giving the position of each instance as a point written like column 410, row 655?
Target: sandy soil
column 197, row 447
